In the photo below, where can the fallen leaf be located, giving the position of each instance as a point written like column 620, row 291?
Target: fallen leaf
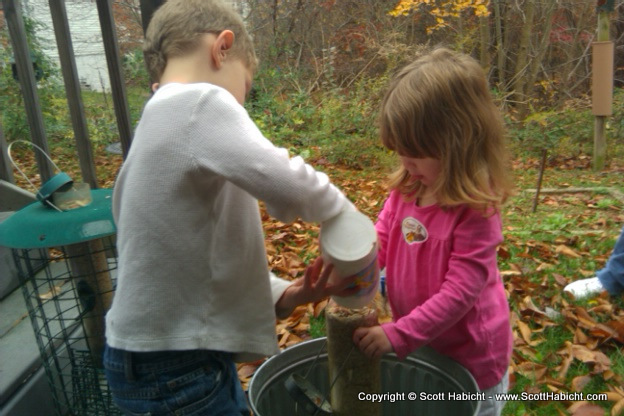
column 600, row 361
column 618, row 408
column 247, row 370
column 544, row 266
column 561, row 281
column 283, row 339
column 567, row 251
column 531, row 370
column 613, row 396
column 618, row 327
column 579, row 336
column 585, row 409
column 579, row 382
column 525, row 331
column 584, row 318
column 320, row 307
column 506, row 273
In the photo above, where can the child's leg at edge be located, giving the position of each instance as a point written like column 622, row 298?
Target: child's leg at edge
column 492, row 407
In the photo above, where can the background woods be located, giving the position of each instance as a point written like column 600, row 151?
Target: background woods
column 534, row 50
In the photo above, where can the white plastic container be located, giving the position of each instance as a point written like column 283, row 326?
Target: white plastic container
column 349, row 242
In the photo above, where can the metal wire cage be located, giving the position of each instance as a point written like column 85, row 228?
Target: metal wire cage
column 68, row 290
column 67, row 263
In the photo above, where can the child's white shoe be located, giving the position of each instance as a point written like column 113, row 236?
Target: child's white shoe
column 584, row 288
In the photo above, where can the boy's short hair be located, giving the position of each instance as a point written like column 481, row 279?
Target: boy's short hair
column 177, row 26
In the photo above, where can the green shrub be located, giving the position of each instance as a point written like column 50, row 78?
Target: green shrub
column 333, row 123
column 50, row 91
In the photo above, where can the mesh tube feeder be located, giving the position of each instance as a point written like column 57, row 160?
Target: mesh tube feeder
column 67, row 263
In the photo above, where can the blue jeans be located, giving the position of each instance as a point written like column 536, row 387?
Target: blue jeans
column 612, row 276
column 192, row 383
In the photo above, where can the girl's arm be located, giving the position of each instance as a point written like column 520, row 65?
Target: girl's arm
column 472, row 265
column 372, row 341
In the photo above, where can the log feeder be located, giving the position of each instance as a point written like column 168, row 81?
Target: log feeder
column 350, row 371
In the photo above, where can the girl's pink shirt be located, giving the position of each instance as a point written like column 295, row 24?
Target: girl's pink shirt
column 444, row 287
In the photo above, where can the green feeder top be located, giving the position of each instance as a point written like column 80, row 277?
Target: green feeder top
column 38, row 226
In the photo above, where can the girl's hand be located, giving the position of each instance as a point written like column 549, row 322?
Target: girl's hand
column 312, row 287
column 372, row 341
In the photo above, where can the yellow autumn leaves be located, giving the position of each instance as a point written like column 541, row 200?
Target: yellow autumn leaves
column 441, row 10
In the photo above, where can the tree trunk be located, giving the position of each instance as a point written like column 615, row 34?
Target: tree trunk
column 500, row 47
column 522, row 60
column 484, row 29
column 544, row 43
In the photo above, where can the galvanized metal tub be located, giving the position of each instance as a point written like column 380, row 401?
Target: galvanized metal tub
column 425, row 383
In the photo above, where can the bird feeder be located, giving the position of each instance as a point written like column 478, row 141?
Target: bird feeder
column 64, row 251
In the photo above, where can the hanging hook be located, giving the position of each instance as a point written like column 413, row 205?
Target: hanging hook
column 55, row 183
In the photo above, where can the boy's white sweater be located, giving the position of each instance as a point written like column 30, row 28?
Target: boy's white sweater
column 193, row 270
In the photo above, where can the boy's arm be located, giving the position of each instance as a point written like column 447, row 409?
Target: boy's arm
column 225, row 141
column 312, row 287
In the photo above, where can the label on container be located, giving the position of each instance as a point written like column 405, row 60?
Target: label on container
column 366, row 279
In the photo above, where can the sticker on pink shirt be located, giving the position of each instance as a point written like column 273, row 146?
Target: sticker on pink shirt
column 413, row 231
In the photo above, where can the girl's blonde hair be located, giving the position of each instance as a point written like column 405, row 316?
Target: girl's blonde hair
column 177, row 26
column 439, row 106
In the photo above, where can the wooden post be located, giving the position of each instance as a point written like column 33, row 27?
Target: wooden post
column 94, row 287
column 350, row 371
column 539, row 180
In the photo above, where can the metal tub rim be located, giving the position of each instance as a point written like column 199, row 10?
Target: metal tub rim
column 304, row 353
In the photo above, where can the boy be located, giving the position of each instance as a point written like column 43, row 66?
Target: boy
column 193, row 292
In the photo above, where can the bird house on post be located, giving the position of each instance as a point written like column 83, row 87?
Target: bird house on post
column 602, row 62
column 602, row 78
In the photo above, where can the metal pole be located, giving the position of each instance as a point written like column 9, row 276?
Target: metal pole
column 148, row 7
column 6, row 171
column 118, row 87
column 28, row 84
column 72, row 88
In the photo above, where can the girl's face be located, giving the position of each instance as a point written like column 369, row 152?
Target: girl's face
column 426, row 170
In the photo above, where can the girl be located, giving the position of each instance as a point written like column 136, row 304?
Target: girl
column 444, row 287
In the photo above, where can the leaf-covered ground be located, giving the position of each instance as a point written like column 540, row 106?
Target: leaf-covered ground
column 561, row 344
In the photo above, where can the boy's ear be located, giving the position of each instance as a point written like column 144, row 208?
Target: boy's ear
column 221, row 46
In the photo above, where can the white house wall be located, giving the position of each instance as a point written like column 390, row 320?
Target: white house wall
column 86, row 34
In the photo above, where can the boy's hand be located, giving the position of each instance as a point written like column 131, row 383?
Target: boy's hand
column 312, row 287
column 372, row 341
